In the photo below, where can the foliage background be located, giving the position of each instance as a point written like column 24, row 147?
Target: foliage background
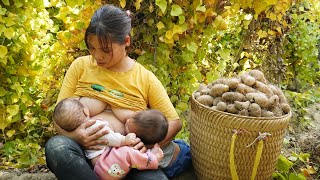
column 184, row 43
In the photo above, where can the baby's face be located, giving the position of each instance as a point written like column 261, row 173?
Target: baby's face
column 130, row 126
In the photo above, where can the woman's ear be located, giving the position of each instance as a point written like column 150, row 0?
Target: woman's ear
column 127, row 40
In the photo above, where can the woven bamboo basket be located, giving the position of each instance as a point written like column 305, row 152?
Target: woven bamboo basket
column 211, row 137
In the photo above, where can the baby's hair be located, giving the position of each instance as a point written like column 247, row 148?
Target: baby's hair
column 68, row 114
column 151, row 126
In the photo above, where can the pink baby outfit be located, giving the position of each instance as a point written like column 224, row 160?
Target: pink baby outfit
column 116, row 162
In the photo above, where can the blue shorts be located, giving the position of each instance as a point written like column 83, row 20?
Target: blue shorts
column 182, row 163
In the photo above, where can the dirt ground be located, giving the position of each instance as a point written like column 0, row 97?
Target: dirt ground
column 305, row 140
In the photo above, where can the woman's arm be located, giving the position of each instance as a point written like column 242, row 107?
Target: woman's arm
column 159, row 99
column 173, row 129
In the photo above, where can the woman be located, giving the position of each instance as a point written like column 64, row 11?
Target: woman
column 113, row 77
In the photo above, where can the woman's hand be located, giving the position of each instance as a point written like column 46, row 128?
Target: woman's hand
column 139, row 145
column 89, row 138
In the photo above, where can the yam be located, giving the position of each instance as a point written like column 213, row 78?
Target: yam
column 201, row 86
column 277, row 111
column 217, row 100
column 205, row 91
column 218, row 89
column 244, row 112
column 276, row 90
column 233, row 82
column 285, row 108
column 221, row 106
column 258, row 98
column 263, row 88
column 219, row 81
column 233, row 96
column 258, row 75
column 196, row 94
column 266, row 113
column 255, row 110
column 231, row 108
column 244, row 89
column 247, row 79
column 242, row 105
column 206, row 100
column 273, row 101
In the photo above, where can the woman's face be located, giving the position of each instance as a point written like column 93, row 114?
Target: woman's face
column 111, row 58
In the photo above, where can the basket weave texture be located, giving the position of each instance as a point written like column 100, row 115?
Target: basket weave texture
column 210, row 139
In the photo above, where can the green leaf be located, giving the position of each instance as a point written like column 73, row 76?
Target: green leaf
column 284, row 164
column 9, row 32
column 160, row 25
column 73, row 3
column 304, row 157
column 162, row 5
column 278, row 176
column 10, row 133
column 176, row 10
column 3, row 92
column 3, row 11
column 212, row 75
column 293, row 176
column 3, row 51
column 192, row 47
column 12, row 109
column 6, row 2
column 182, row 19
column 201, row 8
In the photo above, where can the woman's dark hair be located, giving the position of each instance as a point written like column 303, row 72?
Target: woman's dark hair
column 151, row 126
column 110, row 24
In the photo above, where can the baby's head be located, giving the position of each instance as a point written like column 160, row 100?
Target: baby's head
column 69, row 114
column 151, row 126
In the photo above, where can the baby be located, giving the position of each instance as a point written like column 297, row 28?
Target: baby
column 150, row 126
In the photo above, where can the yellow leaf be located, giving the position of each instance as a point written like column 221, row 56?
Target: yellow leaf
column 223, row 25
column 272, row 16
column 169, row 34
column 3, row 51
column 262, row 34
column 259, row 6
column 272, row 33
column 9, row 32
column 246, row 4
column 311, row 169
column 305, row 172
column 210, row 2
column 168, row 41
column 12, row 109
column 176, row 30
column 10, row 133
column 160, row 25
column 151, row 8
column 279, row 30
column 123, row 3
column 137, row 4
column 279, row 17
column 23, row 39
column 161, row 39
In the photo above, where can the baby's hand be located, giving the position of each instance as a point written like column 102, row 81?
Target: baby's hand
column 131, row 139
column 157, row 151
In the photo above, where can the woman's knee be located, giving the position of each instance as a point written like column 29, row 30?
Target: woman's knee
column 59, row 147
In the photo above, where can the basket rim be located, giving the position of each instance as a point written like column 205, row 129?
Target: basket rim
column 241, row 116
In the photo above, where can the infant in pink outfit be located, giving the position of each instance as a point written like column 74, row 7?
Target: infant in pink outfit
column 116, row 160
